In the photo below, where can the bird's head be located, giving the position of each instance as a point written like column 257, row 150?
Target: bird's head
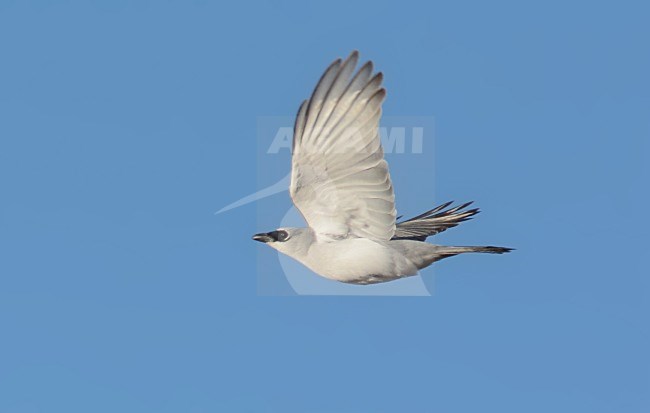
column 287, row 240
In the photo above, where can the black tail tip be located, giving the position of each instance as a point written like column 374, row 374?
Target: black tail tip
column 498, row 250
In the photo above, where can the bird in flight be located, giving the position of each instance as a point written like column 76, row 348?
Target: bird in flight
column 341, row 186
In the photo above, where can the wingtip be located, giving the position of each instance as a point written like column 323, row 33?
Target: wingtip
column 369, row 66
column 336, row 62
column 353, row 58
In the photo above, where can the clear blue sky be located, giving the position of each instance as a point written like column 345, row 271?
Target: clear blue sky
column 125, row 125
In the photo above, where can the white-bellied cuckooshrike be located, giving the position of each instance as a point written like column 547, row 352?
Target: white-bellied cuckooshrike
column 341, row 185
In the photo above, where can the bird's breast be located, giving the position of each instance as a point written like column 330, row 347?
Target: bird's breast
column 357, row 260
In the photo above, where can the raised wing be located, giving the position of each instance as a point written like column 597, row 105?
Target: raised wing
column 339, row 178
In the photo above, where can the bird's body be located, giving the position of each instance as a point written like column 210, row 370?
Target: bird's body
column 354, row 260
column 341, row 185
column 365, row 261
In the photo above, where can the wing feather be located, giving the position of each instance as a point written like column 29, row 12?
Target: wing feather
column 434, row 221
column 340, row 181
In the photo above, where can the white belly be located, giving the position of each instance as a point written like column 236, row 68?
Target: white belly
column 359, row 261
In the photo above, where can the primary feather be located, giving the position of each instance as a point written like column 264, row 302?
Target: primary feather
column 433, row 222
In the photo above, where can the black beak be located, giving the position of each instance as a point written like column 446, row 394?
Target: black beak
column 263, row 237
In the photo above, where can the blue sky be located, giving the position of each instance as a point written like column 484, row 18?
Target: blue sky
column 125, row 125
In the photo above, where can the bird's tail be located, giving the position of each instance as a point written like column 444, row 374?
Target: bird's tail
column 444, row 251
column 438, row 252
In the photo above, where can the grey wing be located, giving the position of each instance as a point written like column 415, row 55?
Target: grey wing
column 433, row 222
column 339, row 179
